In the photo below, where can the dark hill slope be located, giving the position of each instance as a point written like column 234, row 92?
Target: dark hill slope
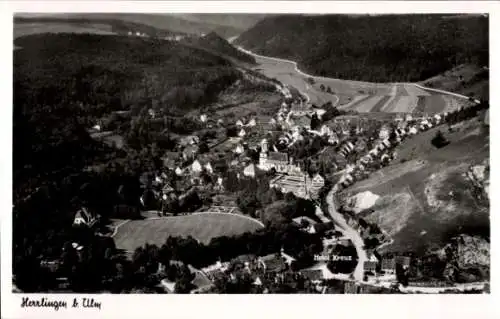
column 379, row 48
column 64, row 82
column 118, row 71
column 153, row 22
column 215, row 43
column 119, row 26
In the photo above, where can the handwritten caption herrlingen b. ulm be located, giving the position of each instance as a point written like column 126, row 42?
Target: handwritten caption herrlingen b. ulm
column 56, row 305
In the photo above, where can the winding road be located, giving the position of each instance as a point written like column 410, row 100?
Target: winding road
column 287, row 72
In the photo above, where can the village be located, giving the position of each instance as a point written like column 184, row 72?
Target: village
column 347, row 147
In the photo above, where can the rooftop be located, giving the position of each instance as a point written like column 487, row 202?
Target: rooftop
column 277, row 156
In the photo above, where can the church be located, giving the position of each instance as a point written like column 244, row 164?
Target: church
column 277, row 160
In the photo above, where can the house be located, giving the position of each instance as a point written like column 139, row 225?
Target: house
column 179, row 171
column 249, row 170
column 190, row 152
column 365, row 159
column 314, row 275
column 167, row 189
column 388, row 265
column 386, row 143
column 384, row 133
column 239, row 149
column 412, row 130
column 318, row 181
column 305, row 223
column 373, row 152
column 189, row 140
column 196, row 167
column 370, row 266
column 84, row 218
column 239, row 123
column 403, row 261
column 257, row 281
column 251, row 123
column 351, row 287
column 203, row 118
column 242, row 133
column 272, row 263
column 208, row 168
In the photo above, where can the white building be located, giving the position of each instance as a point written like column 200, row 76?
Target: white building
column 203, row 118
column 196, row 167
column 242, row 133
column 209, row 168
column 179, row 171
column 239, row 149
column 249, row 170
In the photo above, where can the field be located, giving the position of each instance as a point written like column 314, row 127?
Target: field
column 202, row 226
column 404, row 98
column 424, row 196
column 22, row 29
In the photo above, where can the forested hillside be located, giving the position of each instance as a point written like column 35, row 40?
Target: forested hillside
column 149, row 23
column 114, row 24
column 215, row 43
column 65, row 83
column 381, row 48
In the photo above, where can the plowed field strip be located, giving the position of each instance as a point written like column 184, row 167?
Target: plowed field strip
column 380, row 104
column 391, row 104
column 355, row 104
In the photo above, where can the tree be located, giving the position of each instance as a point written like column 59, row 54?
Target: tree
column 315, row 122
column 322, row 87
column 439, row 140
column 329, row 90
column 203, row 147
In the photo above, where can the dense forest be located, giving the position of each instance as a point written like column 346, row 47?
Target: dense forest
column 214, row 42
column 381, row 48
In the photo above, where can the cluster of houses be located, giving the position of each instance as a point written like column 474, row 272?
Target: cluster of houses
column 377, row 266
column 407, row 126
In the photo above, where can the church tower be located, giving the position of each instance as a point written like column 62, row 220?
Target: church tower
column 264, row 148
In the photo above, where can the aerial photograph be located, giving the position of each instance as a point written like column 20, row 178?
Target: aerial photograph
column 239, row 153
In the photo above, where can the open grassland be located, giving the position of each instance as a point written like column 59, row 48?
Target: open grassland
column 426, row 199
column 22, row 29
column 203, row 227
